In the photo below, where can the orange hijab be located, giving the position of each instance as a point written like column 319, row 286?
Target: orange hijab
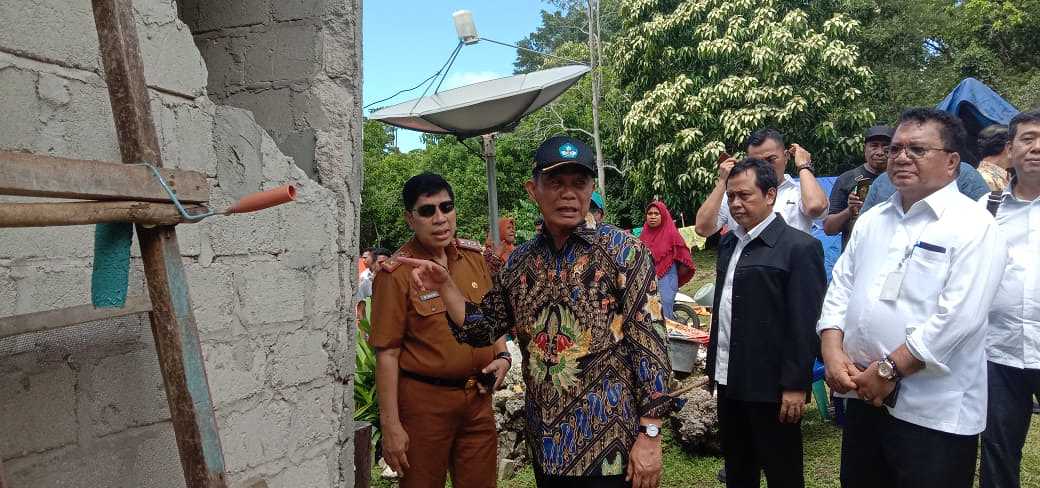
column 507, row 247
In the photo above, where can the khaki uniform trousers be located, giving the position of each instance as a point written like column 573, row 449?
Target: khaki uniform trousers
column 450, row 430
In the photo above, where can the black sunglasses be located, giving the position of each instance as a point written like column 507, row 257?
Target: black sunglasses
column 427, row 211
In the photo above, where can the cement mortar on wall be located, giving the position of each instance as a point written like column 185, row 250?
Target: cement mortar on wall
column 84, row 406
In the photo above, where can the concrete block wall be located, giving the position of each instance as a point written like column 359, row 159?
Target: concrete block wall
column 290, row 62
column 85, row 406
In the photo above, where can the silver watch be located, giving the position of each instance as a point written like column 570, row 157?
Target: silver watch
column 651, row 430
column 886, row 369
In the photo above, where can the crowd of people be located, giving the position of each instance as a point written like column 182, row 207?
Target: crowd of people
column 929, row 328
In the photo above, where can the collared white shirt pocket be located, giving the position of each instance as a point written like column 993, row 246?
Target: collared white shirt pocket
column 922, row 267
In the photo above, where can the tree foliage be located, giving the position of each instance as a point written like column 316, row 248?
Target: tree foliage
column 705, row 74
column 382, row 211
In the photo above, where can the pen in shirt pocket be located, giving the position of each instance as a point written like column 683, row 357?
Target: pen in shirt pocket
column 930, row 247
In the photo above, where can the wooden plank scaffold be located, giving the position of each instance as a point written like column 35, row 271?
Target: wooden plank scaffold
column 131, row 192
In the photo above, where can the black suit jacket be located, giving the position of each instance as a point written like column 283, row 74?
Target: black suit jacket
column 778, row 289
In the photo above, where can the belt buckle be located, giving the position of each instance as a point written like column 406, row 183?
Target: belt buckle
column 471, row 383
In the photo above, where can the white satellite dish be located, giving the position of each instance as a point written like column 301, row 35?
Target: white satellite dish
column 482, row 108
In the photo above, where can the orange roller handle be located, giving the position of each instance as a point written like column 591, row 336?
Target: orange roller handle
column 263, row 199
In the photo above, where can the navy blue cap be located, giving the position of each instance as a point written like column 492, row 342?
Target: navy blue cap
column 562, row 150
column 878, row 132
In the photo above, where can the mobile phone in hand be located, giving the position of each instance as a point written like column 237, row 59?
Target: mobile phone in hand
column 862, row 188
column 722, row 158
column 488, row 380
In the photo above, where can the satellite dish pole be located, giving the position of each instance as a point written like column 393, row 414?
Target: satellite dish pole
column 467, row 32
column 489, row 160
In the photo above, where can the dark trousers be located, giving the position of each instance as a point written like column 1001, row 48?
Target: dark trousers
column 1011, row 393
column 542, row 480
column 754, row 440
column 878, row 449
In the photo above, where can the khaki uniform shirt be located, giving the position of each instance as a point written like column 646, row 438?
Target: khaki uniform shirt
column 416, row 321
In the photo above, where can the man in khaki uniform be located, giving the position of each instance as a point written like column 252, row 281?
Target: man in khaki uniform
column 434, row 393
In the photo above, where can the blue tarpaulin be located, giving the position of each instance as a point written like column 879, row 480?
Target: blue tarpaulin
column 831, row 244
column 977, row 105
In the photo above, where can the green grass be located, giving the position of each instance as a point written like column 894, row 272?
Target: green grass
column 822, row 443
column 705, row 262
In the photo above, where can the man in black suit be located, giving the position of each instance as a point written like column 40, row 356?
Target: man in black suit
column 768, row 294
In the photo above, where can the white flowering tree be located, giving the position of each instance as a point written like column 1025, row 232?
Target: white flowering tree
column 705, row 73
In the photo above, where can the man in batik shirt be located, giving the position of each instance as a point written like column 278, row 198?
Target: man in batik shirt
column 582, row 301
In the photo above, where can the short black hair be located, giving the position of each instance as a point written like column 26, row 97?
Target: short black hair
column 424, row 184
column 992, row 140
column 951, row 128
column 1030, row 117
column 765, row 175
column 380, row 251
column 760, row 136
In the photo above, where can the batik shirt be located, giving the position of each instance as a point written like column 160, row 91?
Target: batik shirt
column 588, row 322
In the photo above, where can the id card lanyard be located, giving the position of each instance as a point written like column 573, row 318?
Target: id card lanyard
column 894, row 281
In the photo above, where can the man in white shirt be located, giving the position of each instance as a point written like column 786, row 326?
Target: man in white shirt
column 904, row 321
column 1013, row 337
column 374, row 261
column 799, row 203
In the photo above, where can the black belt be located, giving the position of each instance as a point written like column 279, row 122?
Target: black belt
column 470, row 382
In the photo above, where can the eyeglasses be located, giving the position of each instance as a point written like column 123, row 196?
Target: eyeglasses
column 912, row 152
column 427, row 211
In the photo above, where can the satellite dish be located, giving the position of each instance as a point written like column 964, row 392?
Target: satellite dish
column 482, row 108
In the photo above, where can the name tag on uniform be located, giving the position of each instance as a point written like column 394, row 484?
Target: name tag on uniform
column 429, row 296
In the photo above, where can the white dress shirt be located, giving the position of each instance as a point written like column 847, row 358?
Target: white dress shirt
column 951, row 258
column 726, row 298
column 1013, row 338
column 788, row 205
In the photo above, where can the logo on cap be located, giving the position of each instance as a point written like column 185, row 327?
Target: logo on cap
column 568, row 151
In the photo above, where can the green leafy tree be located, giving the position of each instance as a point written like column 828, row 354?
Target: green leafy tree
column 566, row 23
column 704, row 74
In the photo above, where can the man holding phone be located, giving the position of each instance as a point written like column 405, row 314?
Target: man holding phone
column 798, row 202
column 850, row 189
column 434, row 393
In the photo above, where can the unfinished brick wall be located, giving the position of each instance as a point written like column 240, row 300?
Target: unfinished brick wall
column 85, row 406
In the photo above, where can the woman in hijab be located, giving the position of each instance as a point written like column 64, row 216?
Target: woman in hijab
column 672, row 259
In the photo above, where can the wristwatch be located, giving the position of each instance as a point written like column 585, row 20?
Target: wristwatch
column 651, row 430
column 886, row 369
column 505, row 355
column 809, row 166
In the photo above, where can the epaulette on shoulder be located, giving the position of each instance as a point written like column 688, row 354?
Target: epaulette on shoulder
column 393, row 263
column 469, row 245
